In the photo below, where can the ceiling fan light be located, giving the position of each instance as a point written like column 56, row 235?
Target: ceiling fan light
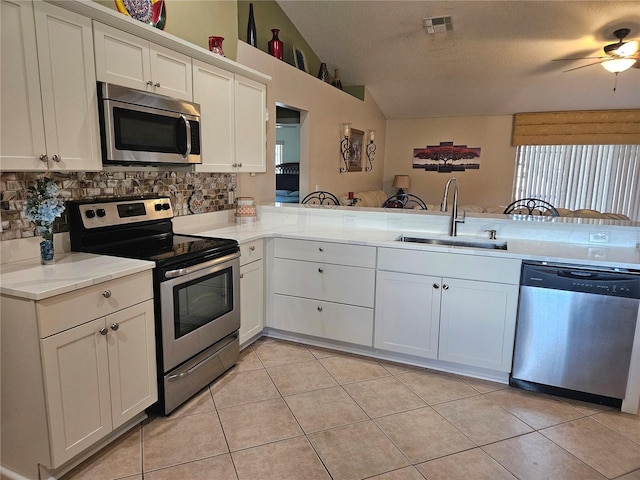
column 627, row 48
column 618, row 65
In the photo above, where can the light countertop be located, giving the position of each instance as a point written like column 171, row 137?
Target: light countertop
column 548, row 251
column 71, row 271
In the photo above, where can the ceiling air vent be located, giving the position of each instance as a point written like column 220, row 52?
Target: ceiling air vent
column 438, row 24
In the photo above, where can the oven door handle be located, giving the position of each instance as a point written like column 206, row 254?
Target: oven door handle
column 201, row 266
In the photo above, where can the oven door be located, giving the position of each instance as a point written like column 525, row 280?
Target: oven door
column 199, row 306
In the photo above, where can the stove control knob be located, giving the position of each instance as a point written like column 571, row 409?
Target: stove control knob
column 101, row 212
column 90, row 213
column 166, row 206
column 157, row 207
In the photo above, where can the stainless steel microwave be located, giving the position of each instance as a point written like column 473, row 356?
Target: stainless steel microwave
column 139, row 128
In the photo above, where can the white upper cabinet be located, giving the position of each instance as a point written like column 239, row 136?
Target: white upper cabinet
column 49, row 102
column 233, row 128
column 131, row 61
column 250, row 107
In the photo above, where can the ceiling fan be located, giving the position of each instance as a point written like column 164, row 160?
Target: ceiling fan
column 619, row 57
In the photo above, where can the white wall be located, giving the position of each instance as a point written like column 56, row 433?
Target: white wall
column 488, row 186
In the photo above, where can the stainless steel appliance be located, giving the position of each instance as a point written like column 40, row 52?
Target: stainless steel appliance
column 196, row 287
column 138, row 127
column 575, row 331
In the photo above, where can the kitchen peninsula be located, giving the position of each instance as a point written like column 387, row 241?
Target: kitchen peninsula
column 356, row 251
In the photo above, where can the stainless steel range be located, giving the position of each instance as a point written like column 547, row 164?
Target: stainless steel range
column 196, row 287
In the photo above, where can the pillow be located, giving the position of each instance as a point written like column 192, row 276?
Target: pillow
column 283, row 192
column 295, row 193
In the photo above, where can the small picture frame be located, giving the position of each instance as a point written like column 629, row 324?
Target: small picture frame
column 299, row 59
column 356, row 138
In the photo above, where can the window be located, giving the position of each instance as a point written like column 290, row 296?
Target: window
column 279, row 155
column 597, row 177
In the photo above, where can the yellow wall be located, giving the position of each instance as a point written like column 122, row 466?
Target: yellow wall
column 328, row 109
column 488, row 186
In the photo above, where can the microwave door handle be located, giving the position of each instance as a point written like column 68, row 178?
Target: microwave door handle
column 187, row 127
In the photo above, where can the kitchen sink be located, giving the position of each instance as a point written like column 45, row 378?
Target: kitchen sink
column 454, row 242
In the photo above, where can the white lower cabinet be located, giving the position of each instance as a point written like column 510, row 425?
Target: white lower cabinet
column 407, row 314
column 251, row 291
column 315, row 292
column 98, row 375
column 90, row 369
column 467, row 319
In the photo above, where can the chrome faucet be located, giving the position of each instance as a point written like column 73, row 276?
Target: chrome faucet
column 453, row 224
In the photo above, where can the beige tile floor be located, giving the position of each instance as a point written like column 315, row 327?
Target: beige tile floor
column 290, row 411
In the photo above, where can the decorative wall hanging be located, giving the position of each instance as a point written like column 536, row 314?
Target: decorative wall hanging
column 151, row 12
column 299, row 59
column 355, row 152
column 441, row 158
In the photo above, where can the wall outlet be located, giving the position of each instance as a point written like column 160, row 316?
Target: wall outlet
column 599, row 237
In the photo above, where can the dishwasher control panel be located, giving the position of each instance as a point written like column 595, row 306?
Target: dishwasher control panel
column 576, row 278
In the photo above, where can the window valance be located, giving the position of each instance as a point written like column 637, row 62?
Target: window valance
column 597, row 127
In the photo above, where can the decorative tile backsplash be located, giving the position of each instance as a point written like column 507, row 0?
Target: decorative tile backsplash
column 217, row 188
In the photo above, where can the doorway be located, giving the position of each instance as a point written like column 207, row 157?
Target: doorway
column 287, row 155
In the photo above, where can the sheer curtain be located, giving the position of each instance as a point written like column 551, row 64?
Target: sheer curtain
column 598, row 177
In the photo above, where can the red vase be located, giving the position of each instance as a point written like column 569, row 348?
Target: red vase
column 215, row 45
column 276, row 47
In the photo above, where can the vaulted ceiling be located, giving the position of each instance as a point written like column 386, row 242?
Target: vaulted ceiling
column 497, row 60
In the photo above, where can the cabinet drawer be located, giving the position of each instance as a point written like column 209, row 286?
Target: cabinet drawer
column 66, row 311
column 333, row 321
column 325, row 252
column 251, row 251
column 470, row 267
column 323, row 281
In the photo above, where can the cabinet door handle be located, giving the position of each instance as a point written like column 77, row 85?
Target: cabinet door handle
column 56, row 158
column 149, row 82
column 321, row 270
column 320, row 249
column 445, row 287
column 436, row 286
column 157, row 84
column 103, row 331
column 44, row 158
column 240, row 165
column 106, row 294
column 252, row 248
column 115, row 326
column 242, row 275
column 319, row 309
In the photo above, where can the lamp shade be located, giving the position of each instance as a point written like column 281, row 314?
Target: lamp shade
column 402, row 181
column 618, row 65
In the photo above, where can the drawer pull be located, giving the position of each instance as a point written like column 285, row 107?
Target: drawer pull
column 252, row 248
column 436, row 286
column 321, row 249
column 115, row 326
column 321, row 270
column 242, row 275
column 319, row 309
column 106, row 294
column 103, row 331
column 445, row 287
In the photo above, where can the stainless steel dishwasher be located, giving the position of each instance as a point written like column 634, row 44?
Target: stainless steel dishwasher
column 575, row 331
